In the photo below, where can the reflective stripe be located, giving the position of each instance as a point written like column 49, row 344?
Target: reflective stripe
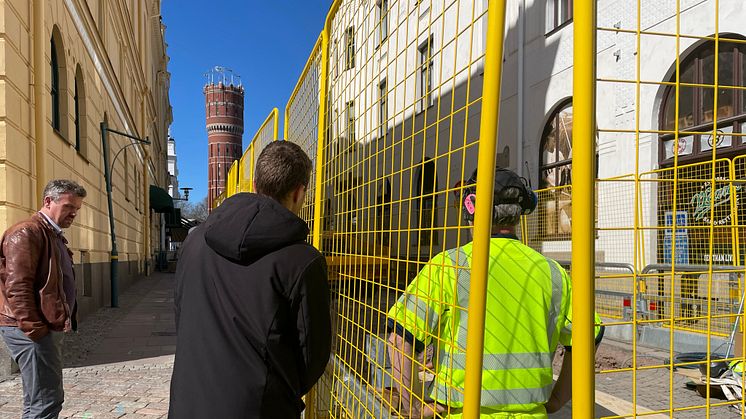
column 496, row 397
column 556, row 307
column 420, row 308
column 497, row 362
column 463, row 286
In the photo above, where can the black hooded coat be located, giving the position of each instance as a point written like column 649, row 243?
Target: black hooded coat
column 252, row 314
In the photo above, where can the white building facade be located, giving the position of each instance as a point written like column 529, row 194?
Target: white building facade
column 405, row 81
column 173, row 169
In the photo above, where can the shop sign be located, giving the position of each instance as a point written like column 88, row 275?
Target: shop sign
column 722, row 254
column 702, row 200
column 718, row 258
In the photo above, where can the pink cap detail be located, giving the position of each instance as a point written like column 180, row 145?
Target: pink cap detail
column 469, row 203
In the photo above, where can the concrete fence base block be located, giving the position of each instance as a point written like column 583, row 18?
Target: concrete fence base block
column 660, row 338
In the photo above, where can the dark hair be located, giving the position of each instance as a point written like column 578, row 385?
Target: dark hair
column 58, row 187
column 281, row 167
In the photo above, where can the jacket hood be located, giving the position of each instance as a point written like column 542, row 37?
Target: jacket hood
column 247, row 226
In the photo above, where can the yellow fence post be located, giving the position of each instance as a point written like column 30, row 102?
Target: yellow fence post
column 323, row 83
column 583, row 209
column 232, row 179
column 286, row 122
column 276, row 125
column 483, row 217
column 251, row 167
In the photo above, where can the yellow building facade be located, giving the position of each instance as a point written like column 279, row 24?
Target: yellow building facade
column 66, row 67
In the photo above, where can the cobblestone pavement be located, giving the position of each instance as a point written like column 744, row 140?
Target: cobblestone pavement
column 119, row 363
column 653, row 387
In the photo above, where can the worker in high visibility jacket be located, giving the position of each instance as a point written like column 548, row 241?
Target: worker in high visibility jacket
column 528, row 315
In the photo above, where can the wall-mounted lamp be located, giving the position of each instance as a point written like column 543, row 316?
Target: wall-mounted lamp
column 114, row 255
column 185, row 193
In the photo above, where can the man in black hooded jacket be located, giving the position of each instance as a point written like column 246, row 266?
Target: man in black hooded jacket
column 252, row 301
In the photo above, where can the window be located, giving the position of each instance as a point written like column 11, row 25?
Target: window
column 350, row 51
column 137, row 190
column 347, row 210
column 86, row 273
column 555, row 174
column 126, row 174
column 77, row 116
column 697, row 105
column 102, row 20
column 559, row 12
column 329, row 122
column 425, row 79
column 81, row 120
column 383, row 111
column 383, row 20
column 427, row 184
column 58, row 84
column 335, row 58
column 383, row 212
column 351, row 122
column 55, row 90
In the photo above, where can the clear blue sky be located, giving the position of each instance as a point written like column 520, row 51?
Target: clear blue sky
column 266, row 42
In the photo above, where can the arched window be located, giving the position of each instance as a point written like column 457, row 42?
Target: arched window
column 697, row 104
column 555, row 168
column 55, row 91
column 58, row 83
column 81, row 120
column 76, row 111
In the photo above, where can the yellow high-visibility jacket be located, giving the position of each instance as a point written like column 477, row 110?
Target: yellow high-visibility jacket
column 528, row 314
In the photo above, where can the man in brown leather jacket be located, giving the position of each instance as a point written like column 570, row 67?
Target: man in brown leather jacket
column 38, row 296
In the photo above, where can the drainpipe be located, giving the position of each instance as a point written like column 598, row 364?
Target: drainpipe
column 40, row 114
column 521, row 82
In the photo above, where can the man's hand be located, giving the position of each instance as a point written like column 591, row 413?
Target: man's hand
column 411, row 408
column 562, row 391
column 429, row 410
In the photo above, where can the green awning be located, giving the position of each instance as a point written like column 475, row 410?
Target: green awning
column 160, row 200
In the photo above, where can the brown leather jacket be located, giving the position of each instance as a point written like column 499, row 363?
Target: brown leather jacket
column 33, row 296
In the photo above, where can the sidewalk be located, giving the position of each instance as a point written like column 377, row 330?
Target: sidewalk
column 119, row 363
column 119, row 366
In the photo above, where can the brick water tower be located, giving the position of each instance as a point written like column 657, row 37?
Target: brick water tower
column 224, row 116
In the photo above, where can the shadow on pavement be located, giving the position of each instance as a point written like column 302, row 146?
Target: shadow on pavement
column 141, row 327
column 566, row 412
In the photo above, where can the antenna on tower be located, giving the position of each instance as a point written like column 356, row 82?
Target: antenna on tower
column 222, row 74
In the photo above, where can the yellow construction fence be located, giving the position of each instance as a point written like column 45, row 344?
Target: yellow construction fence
column 398, row 103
